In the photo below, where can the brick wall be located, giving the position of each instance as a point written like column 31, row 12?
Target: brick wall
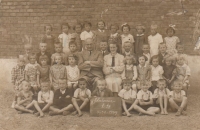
column 28, row 17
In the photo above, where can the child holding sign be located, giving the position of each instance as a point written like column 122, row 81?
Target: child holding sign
column 101, row 90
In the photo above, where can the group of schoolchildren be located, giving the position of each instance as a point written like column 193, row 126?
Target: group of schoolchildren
column 155, row 72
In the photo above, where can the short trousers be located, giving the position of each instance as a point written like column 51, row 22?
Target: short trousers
column 42, row 105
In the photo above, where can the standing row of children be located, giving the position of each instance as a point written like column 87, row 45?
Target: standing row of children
column 50, row 79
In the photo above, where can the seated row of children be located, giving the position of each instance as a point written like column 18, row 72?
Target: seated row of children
column 65, row 100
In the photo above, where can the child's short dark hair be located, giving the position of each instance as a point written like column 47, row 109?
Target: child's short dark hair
column 46, row 83
column 129, row 57
column 83, row 79
column 72, row 43
column 43, row 57
column 125, row 25
column 140, row 26
column 87, row 23
column 162, row 43
column 146, row 59
column 161, row 81
column 154, row 57
column 114, row 25
column 65, row 24
column 74, row 27
column 58, row 44
column 31, row 55
column 72, row 55
column 127, row 81
column 101, row 21
column 170, row 28
column 176, row 82
column 47, row 26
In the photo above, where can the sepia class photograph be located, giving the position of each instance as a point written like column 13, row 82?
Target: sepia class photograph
column 99, row 64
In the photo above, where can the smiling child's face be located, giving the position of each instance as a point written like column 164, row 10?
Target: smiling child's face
column 43, row 47
column 125, row 30
column 153, row 31
column 78, row 28
column 26, row 86
column 48, row 30
column 101, row 25
column 177, row 87
column 142, row 60
column 127, row 47
column 145, row 87
column 162, row 48
column 65, row 29
column 71, row 60
column 58, row 59
column 44, row 87
column 103, row 46
column 161, row 85
column 170, row 32
column 32, row 59
column 43, row 62
column 73, row 47
column 58, row 48
column 127, row 86
column 82, row 84
column 145, row 49
column 87, row 27
column 155, row 62
column 180, row 61
column 101, row 85
column 62, row 84
column 113, row 29
column 168, row 62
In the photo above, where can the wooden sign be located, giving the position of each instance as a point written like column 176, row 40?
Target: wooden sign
column 105, row 106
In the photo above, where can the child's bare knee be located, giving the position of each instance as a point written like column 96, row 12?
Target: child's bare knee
column 86, row 100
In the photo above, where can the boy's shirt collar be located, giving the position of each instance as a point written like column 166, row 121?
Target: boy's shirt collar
column 127, row 53
column 62, row 91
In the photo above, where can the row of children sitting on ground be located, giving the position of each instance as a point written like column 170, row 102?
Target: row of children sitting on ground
column 65, row 101
column 120, row 35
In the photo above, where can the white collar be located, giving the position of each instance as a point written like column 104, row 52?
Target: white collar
column 114, row 35
column 144, row 65
column 155, row 67
column 140, row 34
column 146, row 54
column 62, row 91
column 127, row 53
column 101, row 30
column 184, row 65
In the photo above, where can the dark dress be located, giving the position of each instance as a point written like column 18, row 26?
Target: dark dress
column 47, row 54
column 139, row 41
column 50, row 43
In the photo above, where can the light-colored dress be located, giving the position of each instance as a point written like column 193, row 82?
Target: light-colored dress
column 73, row 74
column 65, row 39
column 171, row 44
column 154, row 42
column 57, row 72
